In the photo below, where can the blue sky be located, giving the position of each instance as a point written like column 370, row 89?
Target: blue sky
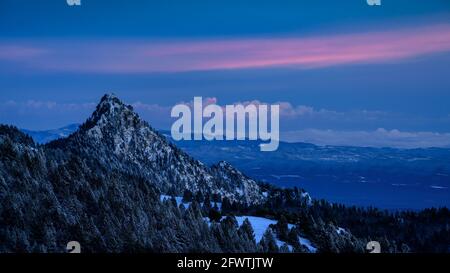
column 342, row 69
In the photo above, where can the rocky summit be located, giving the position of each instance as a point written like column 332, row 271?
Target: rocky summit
column 131, row 145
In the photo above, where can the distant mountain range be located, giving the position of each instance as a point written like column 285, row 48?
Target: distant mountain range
column 46, row 136
column 383, row 177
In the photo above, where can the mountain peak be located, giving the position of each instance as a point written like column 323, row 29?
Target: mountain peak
column 110, row 98
column 111, row 104
column 127, row 142
column 111, row 111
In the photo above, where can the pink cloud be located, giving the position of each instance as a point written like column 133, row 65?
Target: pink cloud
column 178, row 56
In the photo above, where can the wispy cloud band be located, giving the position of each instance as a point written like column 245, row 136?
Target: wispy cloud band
column 301, row 123
column 139, row 56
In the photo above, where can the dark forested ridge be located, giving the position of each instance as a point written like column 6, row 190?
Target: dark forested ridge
column 102, row 186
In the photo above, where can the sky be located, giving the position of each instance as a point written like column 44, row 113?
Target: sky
column 343, row 72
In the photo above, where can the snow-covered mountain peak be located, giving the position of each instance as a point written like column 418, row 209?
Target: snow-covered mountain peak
column 112, row 111
column 130, row 144
column 116, row 125
column 111, row 100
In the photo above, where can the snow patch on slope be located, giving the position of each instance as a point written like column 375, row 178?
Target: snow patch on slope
column 260, row 225
column 307, row 243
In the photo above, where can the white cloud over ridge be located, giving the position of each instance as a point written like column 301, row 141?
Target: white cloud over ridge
column 300, row 123
column 377, row 138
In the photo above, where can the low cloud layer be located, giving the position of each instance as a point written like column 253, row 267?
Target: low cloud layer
column 377, row 138
column 299, row 123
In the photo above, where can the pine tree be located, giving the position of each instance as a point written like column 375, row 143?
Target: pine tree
column 187, row 196
column 214, row 215
column 268, row 243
